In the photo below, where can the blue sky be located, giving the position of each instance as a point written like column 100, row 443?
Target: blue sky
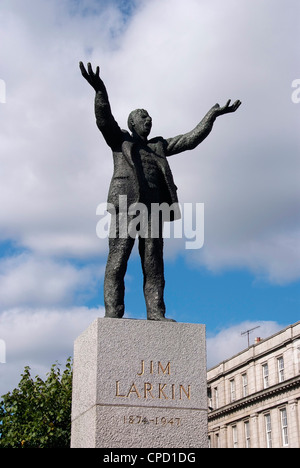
column 219, row 300
column 176, row 59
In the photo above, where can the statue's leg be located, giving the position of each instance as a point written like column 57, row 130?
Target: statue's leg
column 116, row 266
column 151, row 252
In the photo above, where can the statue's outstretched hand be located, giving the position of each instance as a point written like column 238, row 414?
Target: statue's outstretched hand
column 227, row 109
column 92, row 78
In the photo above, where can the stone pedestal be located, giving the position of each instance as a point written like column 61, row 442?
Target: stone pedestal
column 139, row 384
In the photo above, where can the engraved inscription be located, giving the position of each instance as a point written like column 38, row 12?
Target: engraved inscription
column 148, row 390
column 160, row 368
column 157, row 421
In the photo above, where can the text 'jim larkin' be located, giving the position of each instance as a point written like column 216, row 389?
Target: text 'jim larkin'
column 147, row 390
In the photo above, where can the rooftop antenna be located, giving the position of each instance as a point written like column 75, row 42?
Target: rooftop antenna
column 247, row 332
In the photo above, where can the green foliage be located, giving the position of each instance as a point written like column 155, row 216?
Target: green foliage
column 37, row 414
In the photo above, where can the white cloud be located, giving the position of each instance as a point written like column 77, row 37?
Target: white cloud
column 38, row 338
column 30, row 280
column 54, row 167
column 273, row 258
column 230, row 341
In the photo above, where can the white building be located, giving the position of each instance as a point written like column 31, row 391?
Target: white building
column 254, row 396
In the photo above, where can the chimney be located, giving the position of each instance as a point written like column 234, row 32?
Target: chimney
column 257, row 339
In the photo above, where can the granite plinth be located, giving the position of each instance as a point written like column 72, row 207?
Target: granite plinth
column 139, row 384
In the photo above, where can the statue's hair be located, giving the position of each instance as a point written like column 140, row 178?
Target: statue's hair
column 132, row 116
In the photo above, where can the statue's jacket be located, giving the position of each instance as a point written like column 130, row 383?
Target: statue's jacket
column 125, row 180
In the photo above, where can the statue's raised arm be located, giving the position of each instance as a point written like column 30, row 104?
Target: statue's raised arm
column 192, row 139
column 104, row 118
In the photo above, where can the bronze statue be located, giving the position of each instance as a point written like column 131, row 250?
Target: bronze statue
column 142, row 174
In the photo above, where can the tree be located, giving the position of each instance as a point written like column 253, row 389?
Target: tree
column 37, row 414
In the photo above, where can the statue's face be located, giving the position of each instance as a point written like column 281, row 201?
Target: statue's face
column 142, row 123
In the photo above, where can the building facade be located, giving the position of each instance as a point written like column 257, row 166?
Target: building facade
column 254, row 397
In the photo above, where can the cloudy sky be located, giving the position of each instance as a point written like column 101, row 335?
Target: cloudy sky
column 176, row 59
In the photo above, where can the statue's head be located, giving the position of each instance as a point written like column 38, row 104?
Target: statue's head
column 140, row 122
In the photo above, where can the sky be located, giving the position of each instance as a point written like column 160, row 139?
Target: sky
column 176, row 59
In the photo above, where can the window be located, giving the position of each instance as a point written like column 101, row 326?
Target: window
column 245, row 385
column 217, row 441
column 210, row 403
column 265, row 369
column 247, row 434
column 232, row 390
column 284, row 427
column 280, row 363
column 234, row 437
column 216, row 395
column 268, row 430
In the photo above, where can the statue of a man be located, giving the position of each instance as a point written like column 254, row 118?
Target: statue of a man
column 141, row 175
